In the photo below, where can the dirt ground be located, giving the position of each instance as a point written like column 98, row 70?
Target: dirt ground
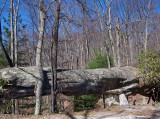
column 137, row 111
column 114, row 112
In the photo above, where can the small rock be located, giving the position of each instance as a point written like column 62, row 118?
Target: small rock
column 123, row 100
column 111, row 101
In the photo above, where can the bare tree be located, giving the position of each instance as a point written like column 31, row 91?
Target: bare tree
column 146, row 26
column 41, row 30
column 110, row 30
column 40, row 79
column 12, row 31
column 102, row 33
column 118, row 42
column 84, row 31
column 54, row 50
column 15, row 33
column 16, row 104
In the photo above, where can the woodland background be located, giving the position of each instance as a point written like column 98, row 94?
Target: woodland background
column 71, row 31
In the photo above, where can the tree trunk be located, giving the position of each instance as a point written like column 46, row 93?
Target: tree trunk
column 15, row 34
column 88, row 49
column 130, row 50
column 12, row 31
column 16, row 49
column 85, row 35
column 118, row 42
column 81, row 53
column 146, row 27
column 77, row 50
column 125, row 38
column 54, row 51
column 103, row 35
column 146, row 37
column 104, row 103
column 16, row 106
column 137, row 47
column 40, row 78
column 110, row 33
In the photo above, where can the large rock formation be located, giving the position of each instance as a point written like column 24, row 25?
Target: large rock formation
column 127, row 80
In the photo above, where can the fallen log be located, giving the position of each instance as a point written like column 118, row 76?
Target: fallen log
column 127, row 80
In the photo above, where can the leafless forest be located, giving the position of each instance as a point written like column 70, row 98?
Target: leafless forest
column 125, row 27
column 62, row 34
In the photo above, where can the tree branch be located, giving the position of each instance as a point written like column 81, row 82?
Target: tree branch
column 3, row 7
column 49, row 5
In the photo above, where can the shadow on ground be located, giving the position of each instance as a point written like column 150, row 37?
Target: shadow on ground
column 156, row 115
column 73, row 117
column 87, row 116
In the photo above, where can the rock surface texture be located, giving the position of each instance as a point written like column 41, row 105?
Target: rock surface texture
column 127, row 80
column 111, row 101
column 123, row 100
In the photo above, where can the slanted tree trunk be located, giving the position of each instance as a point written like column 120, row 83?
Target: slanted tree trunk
column 3, row 7
column 2, row 46
column 4, row 50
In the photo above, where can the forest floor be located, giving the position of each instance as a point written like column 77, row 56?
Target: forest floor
column 114, row 112
column 138, row 111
